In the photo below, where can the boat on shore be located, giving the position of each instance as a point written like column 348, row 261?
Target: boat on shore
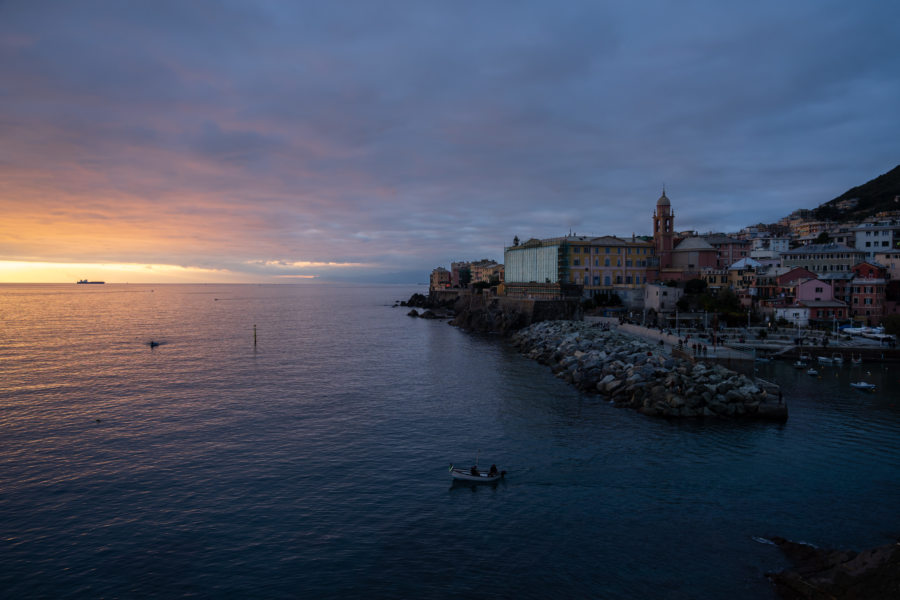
column 864, row 385
column 473, row 475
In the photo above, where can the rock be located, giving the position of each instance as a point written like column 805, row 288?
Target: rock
column 627, row 372
column 820, row 574
column 413, row 313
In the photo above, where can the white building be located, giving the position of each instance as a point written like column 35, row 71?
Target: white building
column 878, row 236
column 661, row 298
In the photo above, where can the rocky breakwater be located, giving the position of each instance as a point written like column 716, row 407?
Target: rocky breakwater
column 632, row 373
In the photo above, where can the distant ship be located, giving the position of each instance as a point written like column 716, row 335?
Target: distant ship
column 86, row 281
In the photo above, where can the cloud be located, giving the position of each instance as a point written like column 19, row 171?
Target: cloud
column 403, row 135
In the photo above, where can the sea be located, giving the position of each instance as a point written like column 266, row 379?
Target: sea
column 294, row 441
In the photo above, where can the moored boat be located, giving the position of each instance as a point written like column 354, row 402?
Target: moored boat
column 864, row 385
column 825, row 360
column 812, row 371
column 473, row 475
column 800, row 364
column 837, row 358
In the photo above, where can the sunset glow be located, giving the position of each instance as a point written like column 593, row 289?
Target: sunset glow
column 151, row 142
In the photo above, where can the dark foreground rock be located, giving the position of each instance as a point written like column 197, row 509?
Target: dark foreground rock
column 838, row 574
column 631, row 373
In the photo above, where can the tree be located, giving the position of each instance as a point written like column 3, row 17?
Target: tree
column 891, row 324
column 823, row 238
column 695, row 286
column 465, row 276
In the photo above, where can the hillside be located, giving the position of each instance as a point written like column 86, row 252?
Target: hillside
column 877, row 195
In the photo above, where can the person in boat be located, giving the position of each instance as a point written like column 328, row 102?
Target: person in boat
column 493, row 472
column 474, row 471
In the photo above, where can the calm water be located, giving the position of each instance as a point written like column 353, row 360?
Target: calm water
column 315, row 465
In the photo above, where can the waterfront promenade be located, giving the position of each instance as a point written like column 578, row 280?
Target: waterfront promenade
column 672, row 342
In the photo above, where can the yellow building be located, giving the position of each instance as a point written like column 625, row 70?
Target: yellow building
column 608, row 262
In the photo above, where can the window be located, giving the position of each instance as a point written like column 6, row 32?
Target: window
column 628, row 262
column 628, row 279
column 607, row 249
column 596, row 280
column 576, row 261
column 606, row 263
column 576, row 249
column 618, row 279
column 606, row 280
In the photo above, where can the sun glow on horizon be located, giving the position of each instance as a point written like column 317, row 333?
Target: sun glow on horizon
column 52, row 272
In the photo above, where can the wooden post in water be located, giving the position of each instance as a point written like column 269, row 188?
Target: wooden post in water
column 254, row 336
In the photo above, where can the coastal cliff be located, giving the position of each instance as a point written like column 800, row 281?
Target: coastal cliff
column 484, row 313
column 835, row 574
column 631, row 373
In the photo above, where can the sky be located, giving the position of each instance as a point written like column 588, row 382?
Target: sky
column 263, row 141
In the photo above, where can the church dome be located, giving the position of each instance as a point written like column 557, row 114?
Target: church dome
column 663, row 200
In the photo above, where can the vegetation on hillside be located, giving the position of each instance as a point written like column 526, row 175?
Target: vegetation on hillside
column 879, row 194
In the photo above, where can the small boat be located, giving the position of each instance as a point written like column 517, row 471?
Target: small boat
column 837, row 358
column 805, row 356
column 85, row 281
column 812, row 371
column 800, row 364
column 864, row 385
column 153, row 344
column 825, row 360
column 856, row 360
column 473, row 475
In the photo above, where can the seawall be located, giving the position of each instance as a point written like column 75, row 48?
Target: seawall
column 632, row 373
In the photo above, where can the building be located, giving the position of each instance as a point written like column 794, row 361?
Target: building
column 440, row 279
column 608, row 263
column 539, row 269
column 878, row 236
column 841, row 285
column 868, row 293
column 890, row 260
column 661, row 298
column 742, row 275
column 728, row 249
column 823, row 258
column 595, row 264
column 691, row 257
column 486, row 271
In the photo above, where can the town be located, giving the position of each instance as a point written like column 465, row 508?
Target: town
column 800, row 272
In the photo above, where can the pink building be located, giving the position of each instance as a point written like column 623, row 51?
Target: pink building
column 813, row 290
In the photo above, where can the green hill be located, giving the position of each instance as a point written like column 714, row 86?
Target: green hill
column 879, row 194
